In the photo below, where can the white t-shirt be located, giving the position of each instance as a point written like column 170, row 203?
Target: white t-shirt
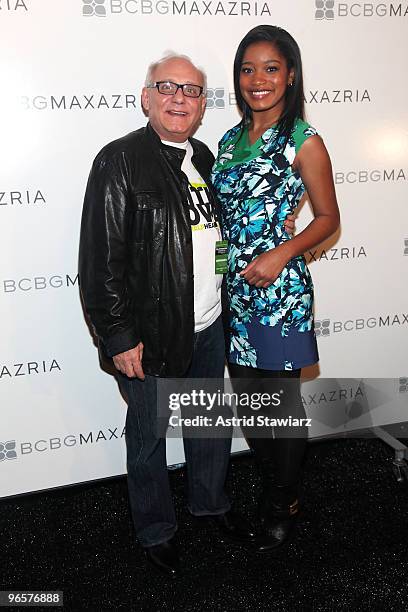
column 205, row 231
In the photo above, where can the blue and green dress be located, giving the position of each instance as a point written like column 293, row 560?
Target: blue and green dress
column 257, row 188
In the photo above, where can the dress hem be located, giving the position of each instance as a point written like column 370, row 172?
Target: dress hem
column 276, row 367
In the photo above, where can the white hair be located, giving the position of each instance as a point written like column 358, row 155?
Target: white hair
column 169, row 55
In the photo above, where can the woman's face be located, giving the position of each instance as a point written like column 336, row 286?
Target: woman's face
column 264, row 78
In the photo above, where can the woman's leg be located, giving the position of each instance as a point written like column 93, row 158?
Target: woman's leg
column 285, row 444
column 248, row 381
column 279, row 454
column 289, row 444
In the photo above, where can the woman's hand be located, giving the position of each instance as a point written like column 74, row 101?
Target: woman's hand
column 265, row 268
column 289, row 224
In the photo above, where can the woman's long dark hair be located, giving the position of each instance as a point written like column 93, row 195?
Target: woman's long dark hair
column 294, row 99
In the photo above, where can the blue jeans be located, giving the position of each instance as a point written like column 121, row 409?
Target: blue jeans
column 206, row 459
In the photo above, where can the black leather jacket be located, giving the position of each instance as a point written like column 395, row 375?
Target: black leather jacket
column 136, row 255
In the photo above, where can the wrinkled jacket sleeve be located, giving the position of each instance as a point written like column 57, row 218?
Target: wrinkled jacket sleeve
column 102, row 256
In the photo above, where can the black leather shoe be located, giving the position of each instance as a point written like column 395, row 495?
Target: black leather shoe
column 234, row 526
column 278, row 526
column 164, row 557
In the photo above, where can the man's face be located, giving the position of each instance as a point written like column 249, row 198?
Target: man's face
column 174, row 117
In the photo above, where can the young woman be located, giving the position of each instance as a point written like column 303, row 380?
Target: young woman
column 263, row 168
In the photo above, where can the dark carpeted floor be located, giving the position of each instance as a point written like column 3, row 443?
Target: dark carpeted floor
column 350, row 551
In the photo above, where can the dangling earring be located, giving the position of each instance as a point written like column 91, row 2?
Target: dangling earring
column 290, row 84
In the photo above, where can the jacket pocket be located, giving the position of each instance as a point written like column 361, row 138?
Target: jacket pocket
column 147, row 217
column 146, row 200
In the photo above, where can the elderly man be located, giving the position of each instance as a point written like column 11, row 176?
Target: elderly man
column 148, row 281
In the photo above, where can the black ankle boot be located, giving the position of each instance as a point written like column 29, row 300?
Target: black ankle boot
column 278, row 516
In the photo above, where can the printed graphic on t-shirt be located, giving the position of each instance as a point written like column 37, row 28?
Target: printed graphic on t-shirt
column 205, row 231
column 202, row 215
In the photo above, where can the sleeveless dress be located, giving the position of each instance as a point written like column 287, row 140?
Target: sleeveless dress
column 257, row 188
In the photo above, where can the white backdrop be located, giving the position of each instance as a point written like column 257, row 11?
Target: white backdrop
column 72, row 72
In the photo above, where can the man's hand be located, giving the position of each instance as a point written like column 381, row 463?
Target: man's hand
column 289, row 224
column 130, row 362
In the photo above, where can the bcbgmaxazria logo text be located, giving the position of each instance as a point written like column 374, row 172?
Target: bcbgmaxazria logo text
column 336, row 96
column 325, row 327
column 336, row 254
column 108, row 8
column 8, row 450
column 39, row 283
column 331, row 9
column 79, row 102
column 12, row 6
column 20, row 197
column 9, row 371
column 371, row 176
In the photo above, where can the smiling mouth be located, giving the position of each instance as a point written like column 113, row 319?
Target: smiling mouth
column 177, row 113
column 260, row 93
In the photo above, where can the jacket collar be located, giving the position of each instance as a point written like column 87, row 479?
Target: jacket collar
column 170, row 152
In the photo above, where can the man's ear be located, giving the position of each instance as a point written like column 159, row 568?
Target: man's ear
column 145, row 99
column 203, row 105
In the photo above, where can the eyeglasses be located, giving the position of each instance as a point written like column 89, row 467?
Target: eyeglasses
column 168, row 88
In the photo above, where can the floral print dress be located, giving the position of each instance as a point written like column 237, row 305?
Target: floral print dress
column 270, row 328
